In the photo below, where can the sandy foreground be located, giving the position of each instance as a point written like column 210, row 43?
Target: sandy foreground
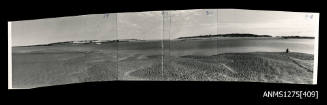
column 38, row 66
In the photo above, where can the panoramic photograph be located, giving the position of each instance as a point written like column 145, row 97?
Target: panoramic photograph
column 233, row 45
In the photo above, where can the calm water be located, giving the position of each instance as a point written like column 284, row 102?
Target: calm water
column 268, row 45
column 191, row 47
column 231, row 45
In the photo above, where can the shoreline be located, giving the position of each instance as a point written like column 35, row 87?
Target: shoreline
column 140, row 41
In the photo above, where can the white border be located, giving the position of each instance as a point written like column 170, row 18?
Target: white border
column 315, row 62
column 9, row 57
column 315, row 67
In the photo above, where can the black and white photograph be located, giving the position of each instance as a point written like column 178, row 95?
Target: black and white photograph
column 64, row 50
column 140, row 46
column 230, row 45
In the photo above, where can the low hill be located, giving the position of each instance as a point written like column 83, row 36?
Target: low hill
column 296, row 37
column 225, row 35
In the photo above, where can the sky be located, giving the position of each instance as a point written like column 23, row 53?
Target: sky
column 157, row 25
column 43, row 31
column 275, row 23
column 140, row 25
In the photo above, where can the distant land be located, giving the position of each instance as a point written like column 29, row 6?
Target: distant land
column 246, row 35
column 226, row 35
column 78, row 42
column 296, row 37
